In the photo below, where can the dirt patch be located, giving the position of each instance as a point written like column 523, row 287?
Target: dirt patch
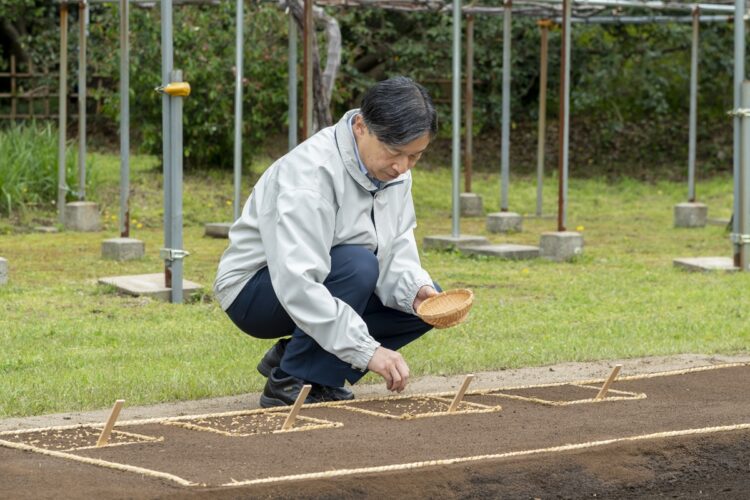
column 689, row 435
column 250, row 424
column 415, row 407
column 77, row 438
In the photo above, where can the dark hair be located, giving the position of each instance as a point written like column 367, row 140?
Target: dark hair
column 398, row 111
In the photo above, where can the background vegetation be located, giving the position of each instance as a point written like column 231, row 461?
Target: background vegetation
column 629, row 90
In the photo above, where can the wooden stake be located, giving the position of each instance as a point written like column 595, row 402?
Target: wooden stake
column 460, row 393
column 104, row 436
column 289, row 422
column 605, row 387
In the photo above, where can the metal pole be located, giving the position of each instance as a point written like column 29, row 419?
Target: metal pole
column 739, row 76
column 124, row 121
column 745, row 175
column 83, row 11
column 456, row 114
column 176, row 182
column 307, row 104
column 167, row 61
column 564, row 116
column 469, row 119
column 544, row 25
column 505, row 139
column 292, row 115
column 62, row 186
column 693, row 106
column 238, row 110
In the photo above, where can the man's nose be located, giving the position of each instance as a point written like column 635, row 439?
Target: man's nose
column 401, row 165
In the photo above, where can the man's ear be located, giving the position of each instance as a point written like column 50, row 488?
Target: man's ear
column 359, row 126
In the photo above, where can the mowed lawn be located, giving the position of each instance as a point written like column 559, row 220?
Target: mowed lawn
column 70, row 344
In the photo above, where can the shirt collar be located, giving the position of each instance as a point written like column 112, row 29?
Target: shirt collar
column 378, row 184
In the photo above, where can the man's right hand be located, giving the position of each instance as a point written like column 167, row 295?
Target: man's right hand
column 391, row 366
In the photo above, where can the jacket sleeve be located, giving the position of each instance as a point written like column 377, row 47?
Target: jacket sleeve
column 297, row 228
column 401, row 274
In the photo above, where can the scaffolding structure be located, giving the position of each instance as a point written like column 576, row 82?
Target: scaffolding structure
column 562, row 12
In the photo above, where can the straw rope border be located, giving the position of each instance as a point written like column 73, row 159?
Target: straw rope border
column 480, row 408
column 321, row 424
column 626, row 396
column 101, row 463
column 496, row 456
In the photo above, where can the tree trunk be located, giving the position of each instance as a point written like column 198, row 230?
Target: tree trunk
column 323, row 81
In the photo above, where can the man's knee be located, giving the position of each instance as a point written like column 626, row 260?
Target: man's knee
column 355, row 262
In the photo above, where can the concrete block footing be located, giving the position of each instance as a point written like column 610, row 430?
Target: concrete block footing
column 504, row 251
column 82, row 216
column 447, row 242
column 718, row 221
column 123, row 249
column 702, row 264
column 560, row 245
column 471, row 205
column 149, row 285
column 217, row 229
column 504, row 222
column 690, row 215
column 3, row 271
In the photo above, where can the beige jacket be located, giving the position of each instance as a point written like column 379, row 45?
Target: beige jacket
column 312, row 199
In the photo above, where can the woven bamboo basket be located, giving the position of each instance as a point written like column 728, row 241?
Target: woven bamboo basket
column 447, row 308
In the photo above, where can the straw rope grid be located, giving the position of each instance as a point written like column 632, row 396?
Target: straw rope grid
column 476, row 408
column 385, row 468
column 319, row 424
column 626, row 396
column 333, row 404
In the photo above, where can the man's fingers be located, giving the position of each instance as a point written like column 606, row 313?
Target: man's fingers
column 395, row 378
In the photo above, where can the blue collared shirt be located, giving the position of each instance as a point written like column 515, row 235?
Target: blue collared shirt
column 378, row 184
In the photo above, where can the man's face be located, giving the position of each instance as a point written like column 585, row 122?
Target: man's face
column 384, row 162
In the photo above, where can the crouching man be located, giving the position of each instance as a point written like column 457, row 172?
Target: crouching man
column 324, row 251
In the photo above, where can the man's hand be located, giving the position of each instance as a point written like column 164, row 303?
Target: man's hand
column 424, row 293
column 391, row 366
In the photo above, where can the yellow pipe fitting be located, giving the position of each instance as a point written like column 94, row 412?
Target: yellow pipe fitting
column 179, row 89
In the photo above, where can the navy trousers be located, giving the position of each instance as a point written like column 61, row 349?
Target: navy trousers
column 354, row 273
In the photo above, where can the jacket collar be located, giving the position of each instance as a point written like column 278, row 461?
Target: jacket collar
column 347, row 145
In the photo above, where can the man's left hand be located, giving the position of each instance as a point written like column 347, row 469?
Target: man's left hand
column 424, row 293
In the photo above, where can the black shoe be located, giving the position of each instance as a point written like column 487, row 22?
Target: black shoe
column 272, row 358
column 283, row 391
column 328, row 393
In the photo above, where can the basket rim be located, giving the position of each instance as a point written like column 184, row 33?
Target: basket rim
column 456, row 291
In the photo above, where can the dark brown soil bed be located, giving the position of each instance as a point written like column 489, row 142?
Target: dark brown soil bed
column 688, row 438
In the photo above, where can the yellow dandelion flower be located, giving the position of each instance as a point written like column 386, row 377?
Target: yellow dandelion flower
column 139, row 226
column 579, row 228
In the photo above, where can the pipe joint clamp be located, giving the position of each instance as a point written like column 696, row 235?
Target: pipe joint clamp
column 172, row 254
column 740, row 239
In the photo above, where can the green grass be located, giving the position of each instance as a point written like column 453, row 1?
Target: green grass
column 28, row 168
column 69, row 344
